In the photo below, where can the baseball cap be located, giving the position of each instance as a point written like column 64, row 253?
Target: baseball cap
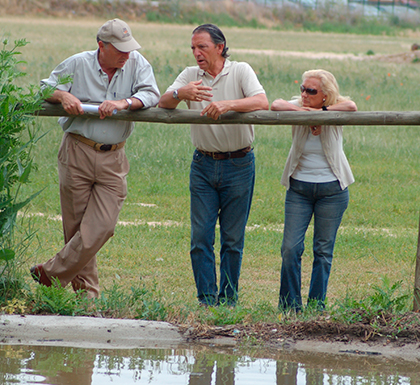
column 118, row 33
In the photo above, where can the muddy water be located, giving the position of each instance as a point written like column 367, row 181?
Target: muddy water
column 195, row 365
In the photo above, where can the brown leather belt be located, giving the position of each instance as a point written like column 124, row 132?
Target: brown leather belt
column 227, row 155
column 98, row 146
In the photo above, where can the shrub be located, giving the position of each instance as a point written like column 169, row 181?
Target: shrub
column 17, row 136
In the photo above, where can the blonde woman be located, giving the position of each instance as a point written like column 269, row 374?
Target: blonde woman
column 316, row 176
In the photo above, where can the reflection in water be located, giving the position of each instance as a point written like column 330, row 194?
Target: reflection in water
column 194, row 365
column 206, row 364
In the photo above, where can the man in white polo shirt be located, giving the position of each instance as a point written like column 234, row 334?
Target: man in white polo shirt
column 92, row 164
column 223, row 168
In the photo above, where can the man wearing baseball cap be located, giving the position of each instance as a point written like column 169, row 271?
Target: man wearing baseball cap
column 92, row 165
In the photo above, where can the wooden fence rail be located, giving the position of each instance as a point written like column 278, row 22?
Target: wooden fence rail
column 179, row 116
column 359, row 118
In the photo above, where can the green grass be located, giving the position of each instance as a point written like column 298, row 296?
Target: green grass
column 378, row 236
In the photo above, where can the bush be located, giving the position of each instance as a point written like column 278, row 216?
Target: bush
column 17, row 136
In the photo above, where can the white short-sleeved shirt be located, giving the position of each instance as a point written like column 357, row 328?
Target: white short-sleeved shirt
column 91, row 85
column 237, row 80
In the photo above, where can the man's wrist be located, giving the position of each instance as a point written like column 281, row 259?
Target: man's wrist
column 175, row 95
column 130, row 103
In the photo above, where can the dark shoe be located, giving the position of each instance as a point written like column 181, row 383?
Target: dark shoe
column 38, row 274
column 207, row 300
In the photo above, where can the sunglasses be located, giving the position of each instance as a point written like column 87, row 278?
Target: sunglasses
column 309, row 91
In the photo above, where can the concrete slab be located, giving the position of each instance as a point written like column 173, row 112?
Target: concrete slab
column 87, row 332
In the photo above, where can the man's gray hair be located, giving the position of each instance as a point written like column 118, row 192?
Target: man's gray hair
column 216, row 36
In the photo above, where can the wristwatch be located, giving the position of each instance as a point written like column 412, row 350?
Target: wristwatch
column 175, row 95
column 130, row 103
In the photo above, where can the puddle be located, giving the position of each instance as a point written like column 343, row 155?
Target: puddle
column 195, row 365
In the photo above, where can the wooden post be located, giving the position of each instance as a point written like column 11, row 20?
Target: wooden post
column 416, row 306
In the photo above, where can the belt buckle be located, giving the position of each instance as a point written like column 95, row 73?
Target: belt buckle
column 106, row 147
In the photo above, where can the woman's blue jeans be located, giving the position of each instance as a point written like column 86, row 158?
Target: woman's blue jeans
column 219, row 189
column 327, row 203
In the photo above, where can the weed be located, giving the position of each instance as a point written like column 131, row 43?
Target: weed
column 386, row 298
column 56, row 300
column 264, row 311
column 379, row 308
column 146, row 304
column 225, row 315
column 138, row 303
column 15, row 306
column 113, row 302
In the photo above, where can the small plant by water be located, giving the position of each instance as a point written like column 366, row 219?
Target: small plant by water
column 385, row 301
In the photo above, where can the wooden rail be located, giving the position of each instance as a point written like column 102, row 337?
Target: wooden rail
column 359, row 118
column 179, row 116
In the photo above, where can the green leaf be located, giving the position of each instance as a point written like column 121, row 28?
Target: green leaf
column 24, row 171
column 8, row 215
column 4, row 106
column 7, row 254
column 2, row 181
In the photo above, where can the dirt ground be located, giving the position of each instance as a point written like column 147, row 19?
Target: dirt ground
column 404, row 57
column 401, row 340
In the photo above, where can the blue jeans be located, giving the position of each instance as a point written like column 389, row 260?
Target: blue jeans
column 327, row 203
column 219, row 189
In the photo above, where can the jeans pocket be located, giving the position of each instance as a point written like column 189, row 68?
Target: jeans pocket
column 198, row 156
column 332, row 188
column 300, row 187
column 243, row 162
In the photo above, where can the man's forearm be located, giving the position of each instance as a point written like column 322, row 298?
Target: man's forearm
column 167, row 101
column 56, row 97
column 253, row 103
column 137, row 104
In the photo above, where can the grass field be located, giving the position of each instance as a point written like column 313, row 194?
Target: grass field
column 378, row 236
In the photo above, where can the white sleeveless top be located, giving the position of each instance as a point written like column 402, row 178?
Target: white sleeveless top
column 313, row 165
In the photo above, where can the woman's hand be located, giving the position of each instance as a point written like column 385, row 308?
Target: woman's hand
column 316, row 130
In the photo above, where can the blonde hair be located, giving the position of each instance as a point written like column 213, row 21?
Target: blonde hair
column 329, row 86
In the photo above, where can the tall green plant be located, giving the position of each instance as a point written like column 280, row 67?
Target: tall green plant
column 17, row 137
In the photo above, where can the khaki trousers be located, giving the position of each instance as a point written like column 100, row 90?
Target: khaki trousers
column 93, row 188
